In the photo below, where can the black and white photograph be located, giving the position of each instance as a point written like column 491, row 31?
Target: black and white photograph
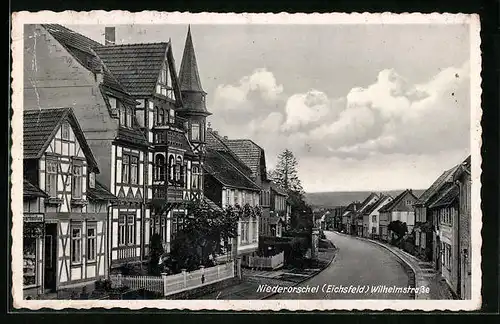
column 246, row 162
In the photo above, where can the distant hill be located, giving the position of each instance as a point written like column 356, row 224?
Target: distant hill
column 344, row 198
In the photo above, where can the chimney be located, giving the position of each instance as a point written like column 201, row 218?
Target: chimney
column 216, row 132
column 209, row 127
column 109, row 36
column 225, row 137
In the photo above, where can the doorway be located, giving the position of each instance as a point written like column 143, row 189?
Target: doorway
column 50, row 257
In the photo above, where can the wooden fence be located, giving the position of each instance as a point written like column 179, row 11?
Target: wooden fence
column 274, row 262
column 171, row 284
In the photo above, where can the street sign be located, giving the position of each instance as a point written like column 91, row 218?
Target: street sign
column 33, row 218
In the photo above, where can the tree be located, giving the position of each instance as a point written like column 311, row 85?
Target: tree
column 399, row 228
column 204, row 234
column 285, row 173
column 155, row 253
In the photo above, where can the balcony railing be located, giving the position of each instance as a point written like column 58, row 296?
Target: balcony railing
column 169, row 193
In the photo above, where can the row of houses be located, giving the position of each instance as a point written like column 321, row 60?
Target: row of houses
column 436, row 224
column 116, row 143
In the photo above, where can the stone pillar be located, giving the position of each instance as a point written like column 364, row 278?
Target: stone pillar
column 314, row 243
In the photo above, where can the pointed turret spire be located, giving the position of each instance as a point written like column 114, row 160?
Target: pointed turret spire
column 189, row 77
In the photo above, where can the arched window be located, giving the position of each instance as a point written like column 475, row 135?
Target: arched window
column 178, row 166
column 171, row 167
column 160, row 167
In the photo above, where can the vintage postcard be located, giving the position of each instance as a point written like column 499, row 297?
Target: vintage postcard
column 246, row 161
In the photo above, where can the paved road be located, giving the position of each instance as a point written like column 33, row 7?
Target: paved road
column 357, row 263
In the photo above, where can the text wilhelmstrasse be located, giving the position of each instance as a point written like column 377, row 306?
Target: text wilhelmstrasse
column 351, row 289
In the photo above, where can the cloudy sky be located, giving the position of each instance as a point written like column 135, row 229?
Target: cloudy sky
column 363, row 107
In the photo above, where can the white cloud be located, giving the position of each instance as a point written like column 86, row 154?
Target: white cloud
column 389, row 119
column 305, row 108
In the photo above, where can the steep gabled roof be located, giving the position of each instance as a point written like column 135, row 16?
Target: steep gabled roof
column 40, row 127
column 211, row 204
column 226, row 173
column 100, row 193
column 434, row 188
column 446, row 197
column 276, row 188
column 396, row 200
column 32, row 191
column 136, row 66
column 189, row 78
column 250, row 153
column 366, row 202
column 215, row 142
column 82, row 49
column 374, row 206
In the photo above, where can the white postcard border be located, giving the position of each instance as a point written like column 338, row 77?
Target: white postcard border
column 154, row 17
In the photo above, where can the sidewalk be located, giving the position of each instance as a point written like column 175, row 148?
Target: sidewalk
column 425, row 275
column 252, row 279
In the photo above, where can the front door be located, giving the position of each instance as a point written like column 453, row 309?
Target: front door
column 50, row 257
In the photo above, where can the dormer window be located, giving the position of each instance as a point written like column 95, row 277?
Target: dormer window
column 112, row 102
column 65, row 131
column 164, row 87
column 92, row 180
column 195, row 132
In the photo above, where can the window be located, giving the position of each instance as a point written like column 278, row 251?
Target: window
column 177, row 225
column 122, row 230
column 244, row 232
column 408, row 202
column 163, row 231
column 163, row 76
column 91, row 244
column 77, row 182
column 51, row 178
column 227, row 197
column 65, row 131
column 195, row 177
column 130, row 169
column 134, row 170
column 76, row 245
column 160, row 167
column 126, row 169
column 172, row 116
column 171, row 168
column 195, row 132
column 131, row 229
column 29, row 259
column 178, row 167
column 91, row 180
column 254, row 231
column 112, row 102
column 123, row 117
column 160, row 116
column 129, row 117
column 374, row 218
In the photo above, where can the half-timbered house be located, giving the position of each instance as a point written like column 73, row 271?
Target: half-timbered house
column 73, row 208
column 171, row 112
column 228, row 183
column 70, row 73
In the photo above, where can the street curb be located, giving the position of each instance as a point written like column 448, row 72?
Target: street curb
column 309, row 277
column 395, row 254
